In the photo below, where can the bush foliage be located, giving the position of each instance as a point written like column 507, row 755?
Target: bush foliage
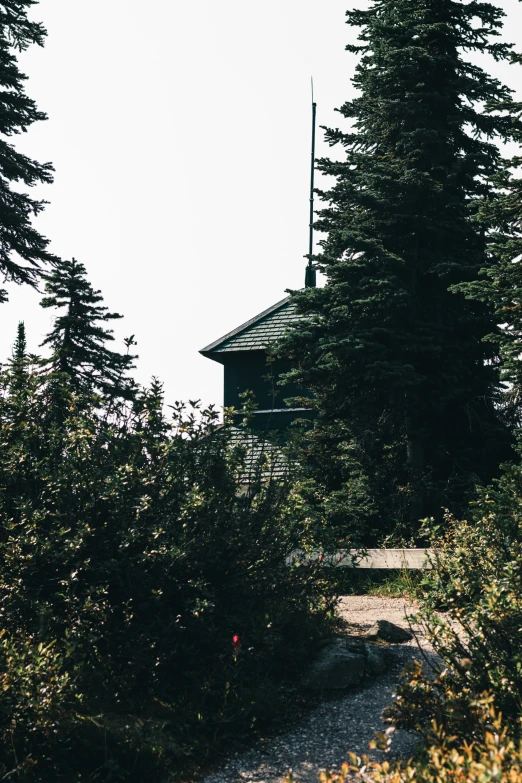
column 138, row 576
column 473, row 617
column 466, row 704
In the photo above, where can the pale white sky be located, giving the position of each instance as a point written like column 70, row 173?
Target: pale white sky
column 180, row 134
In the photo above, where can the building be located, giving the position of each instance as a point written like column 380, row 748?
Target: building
column 249, row 366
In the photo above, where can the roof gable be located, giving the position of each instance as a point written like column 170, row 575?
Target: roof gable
column 259, row 332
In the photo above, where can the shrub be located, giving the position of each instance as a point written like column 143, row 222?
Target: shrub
column 131, row 552
column 472, row 613
column 36, row 695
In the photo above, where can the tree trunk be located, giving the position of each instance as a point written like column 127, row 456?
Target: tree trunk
column 415, row 459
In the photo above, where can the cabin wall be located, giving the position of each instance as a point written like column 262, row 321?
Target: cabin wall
column 250, row 370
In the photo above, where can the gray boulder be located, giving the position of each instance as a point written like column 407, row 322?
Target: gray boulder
column 339, row 664
column 344, row 663
column 389, row 632
column 376, row 659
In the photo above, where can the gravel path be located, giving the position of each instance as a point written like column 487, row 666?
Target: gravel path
column 347, row 723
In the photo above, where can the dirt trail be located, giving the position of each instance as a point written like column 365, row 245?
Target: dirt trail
column 347, row 723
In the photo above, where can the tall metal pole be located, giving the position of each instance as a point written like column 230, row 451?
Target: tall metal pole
column 310, row 278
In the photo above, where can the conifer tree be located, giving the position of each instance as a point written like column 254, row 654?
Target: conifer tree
column 20, row 398
column 19, row 358
column 500, row 284
column 405, row 385
column 22, row 248
column 18, row 374
column 81, row 361
column 22, row 370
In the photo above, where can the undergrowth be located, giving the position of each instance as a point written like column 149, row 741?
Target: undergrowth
column 148, row 616
column 386, row 583
column 466, row 704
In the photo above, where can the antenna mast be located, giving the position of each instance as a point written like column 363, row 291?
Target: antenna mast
column 310, row 277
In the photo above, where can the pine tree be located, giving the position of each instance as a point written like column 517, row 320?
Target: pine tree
column 22, row 370
column 404, row 383
column 80, row 360
column 22, row 248
column 17, row 375
column 20, row 398
column 500, row 284
column 19, row 358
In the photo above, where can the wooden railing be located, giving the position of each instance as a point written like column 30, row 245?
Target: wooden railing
column 373, row 558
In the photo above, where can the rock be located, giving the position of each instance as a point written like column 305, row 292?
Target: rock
column 389, row 632
column 345, row 662
column 376, row 659
column 340, row 664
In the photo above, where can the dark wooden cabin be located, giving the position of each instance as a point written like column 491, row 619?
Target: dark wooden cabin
column 245, row 354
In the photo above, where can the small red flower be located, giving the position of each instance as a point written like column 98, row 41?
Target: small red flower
column 236, row 645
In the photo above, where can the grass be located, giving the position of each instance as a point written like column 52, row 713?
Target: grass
column 386, row 583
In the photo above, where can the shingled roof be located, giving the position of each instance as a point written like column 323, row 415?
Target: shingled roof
column 257, row 334
column 263, row 459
